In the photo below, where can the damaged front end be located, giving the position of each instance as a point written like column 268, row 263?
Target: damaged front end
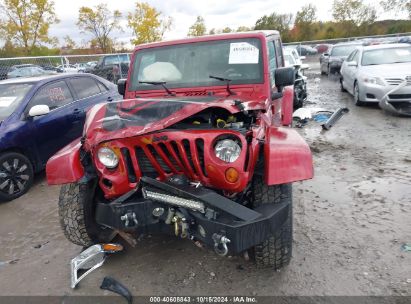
column 396, row 102
column 179, row 208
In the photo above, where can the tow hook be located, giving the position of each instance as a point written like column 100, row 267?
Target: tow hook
column 220, row 244
column 129, row 217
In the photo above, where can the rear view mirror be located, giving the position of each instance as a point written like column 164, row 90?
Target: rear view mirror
column 284, row 77
column 39, row 110
column 121, row 86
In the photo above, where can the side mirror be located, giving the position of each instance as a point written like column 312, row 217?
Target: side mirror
column 326, row 54
column 304, row 66
column 352, row 63
column 284, row 77
column 39, row 110
column 121, row 86
column 302, row 57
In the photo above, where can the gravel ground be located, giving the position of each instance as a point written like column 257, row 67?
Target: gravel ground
column 350, row 223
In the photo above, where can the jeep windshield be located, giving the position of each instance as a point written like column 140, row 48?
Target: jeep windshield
column 190, row 65
column 11, row 95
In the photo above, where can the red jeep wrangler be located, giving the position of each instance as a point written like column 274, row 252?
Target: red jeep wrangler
column 196, row 149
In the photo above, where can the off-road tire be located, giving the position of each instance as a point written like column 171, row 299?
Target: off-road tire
column 77, row 218
column 276, row 251
column 24, row 169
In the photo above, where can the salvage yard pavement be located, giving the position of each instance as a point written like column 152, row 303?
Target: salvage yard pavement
column 351, row 224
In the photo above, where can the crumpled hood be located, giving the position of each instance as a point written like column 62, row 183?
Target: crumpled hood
column 134, row 117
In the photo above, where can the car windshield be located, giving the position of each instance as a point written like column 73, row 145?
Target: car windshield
column 11, row 95
column 386, row 56
column 343, row 50
column 190, row 65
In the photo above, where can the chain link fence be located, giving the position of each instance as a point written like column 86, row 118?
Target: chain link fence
column 313, row 48
column 108, row 66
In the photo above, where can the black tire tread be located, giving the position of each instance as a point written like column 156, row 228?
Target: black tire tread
column 276, row 251
column 71, row 213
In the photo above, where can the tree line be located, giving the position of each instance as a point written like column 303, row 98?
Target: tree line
column 25, row 24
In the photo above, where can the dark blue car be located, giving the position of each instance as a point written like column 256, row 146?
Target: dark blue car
column 38, row 117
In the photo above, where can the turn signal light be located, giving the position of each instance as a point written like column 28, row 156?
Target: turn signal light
column 111, row 248
column 231, row 175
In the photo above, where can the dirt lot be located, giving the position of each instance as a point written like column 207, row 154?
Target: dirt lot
column 350, row 223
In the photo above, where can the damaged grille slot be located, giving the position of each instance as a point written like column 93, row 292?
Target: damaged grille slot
column 172, row 157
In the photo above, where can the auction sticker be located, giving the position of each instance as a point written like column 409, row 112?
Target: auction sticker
column 243, row 53
column 6, row 101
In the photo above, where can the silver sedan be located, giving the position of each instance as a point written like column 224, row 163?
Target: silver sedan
column 380, row 74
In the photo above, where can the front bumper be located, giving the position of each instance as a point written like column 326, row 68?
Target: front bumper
column 223, row 218
column 397, row 99
column 374, row 93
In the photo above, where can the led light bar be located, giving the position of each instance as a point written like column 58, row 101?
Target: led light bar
column 173, row 200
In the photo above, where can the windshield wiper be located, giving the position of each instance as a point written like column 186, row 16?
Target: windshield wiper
column 162, row 83
column 228, row 83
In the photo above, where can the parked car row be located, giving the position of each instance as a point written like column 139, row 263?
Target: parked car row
column 379, row 74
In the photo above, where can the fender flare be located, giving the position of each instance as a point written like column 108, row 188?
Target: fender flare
column 287, row 157
column 65, row 166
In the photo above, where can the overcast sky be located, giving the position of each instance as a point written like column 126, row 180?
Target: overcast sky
column 217, row 14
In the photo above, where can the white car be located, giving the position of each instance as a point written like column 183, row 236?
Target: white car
column 291, row 58
column 379, row 74
column 293, row 52
column 67, row 68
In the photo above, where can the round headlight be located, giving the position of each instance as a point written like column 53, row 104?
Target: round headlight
column 227, row 150
column 107, row 157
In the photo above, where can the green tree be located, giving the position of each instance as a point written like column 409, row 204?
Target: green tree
column 305, row 22
column 69, row 43
column 26, row 23
column 198, row 28
column 243, row 29
column 100, row 22
column 397, row 6
column 147, row 23
column 279, row 22
column 227, row 30
column 353, row 15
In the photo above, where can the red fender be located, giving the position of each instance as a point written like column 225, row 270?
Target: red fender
column 65, row 166
column 287, row 157
column 287, row 106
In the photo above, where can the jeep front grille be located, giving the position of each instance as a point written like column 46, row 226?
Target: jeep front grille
column 172, row 157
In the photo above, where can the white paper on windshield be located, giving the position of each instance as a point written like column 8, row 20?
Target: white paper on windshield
column 6, row 101
column 243, row 53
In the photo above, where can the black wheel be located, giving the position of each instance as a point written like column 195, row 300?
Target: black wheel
column 16, row 175
column 77, row 215
column 357, row 100
column 276, row 251
column 342, row 85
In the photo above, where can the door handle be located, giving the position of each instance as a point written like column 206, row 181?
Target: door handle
column 77, row 111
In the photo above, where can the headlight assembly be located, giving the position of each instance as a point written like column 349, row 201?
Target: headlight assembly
column 227, row 150
column 107, row 157
column 374, row 80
